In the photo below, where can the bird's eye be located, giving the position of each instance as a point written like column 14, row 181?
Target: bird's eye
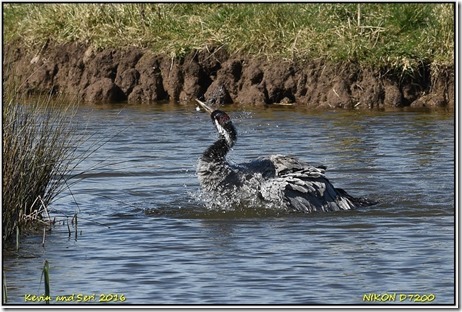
column 223, row 119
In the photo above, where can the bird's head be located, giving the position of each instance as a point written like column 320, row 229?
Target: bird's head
column 224, row 126
column 222, row 123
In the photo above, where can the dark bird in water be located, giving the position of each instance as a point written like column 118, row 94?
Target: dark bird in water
column 279, row 181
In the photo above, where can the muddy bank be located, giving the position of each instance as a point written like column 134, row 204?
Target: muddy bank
column 138, row 76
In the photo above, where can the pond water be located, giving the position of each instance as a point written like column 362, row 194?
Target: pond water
column 145, row 236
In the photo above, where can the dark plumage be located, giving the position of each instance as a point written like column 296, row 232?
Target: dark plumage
column 279, row 181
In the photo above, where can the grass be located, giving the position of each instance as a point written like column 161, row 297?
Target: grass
column 38, row 148
column 391, row 34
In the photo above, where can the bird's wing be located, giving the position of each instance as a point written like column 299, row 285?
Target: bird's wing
column 302, row 187
column 287, row 164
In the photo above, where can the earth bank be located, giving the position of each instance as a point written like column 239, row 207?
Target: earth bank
column 136, row 75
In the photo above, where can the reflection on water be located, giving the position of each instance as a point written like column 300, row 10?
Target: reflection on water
column 144, row 232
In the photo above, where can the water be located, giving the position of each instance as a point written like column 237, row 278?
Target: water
column 143, row 232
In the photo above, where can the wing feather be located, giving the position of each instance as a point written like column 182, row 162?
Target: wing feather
column 302, row 187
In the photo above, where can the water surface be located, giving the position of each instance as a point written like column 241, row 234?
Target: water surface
column 144, row 233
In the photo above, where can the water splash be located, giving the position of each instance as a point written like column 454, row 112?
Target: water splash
column 229, row 202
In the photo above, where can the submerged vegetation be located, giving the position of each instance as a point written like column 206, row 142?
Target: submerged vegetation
column 391, row 34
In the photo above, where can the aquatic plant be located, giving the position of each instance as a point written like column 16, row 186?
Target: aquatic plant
column 4, row 289
column 46, row 280
column 38, row 153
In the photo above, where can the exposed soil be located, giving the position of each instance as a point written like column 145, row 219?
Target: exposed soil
column 139, row 76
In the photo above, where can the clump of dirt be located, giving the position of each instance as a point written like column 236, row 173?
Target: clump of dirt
column 135, row 75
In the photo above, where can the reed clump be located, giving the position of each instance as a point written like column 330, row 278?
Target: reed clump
column 38, row 153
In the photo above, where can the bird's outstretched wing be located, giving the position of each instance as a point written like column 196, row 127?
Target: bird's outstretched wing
column 302, row 187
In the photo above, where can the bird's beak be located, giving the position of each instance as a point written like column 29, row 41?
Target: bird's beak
column 204, row 106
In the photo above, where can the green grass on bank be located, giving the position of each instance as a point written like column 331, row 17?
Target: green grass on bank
column 393, row 34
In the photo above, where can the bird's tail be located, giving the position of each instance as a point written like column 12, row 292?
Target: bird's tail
column 357, row 201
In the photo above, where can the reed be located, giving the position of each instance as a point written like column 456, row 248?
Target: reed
column 4, row 289
column 396, row 34
column 38, row 153
column 46, row 280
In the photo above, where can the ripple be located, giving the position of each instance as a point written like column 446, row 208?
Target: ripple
column 145, row 230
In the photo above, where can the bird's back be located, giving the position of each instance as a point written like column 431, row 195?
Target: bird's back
column 299, row 186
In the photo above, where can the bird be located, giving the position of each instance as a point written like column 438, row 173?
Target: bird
column 277, row 181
